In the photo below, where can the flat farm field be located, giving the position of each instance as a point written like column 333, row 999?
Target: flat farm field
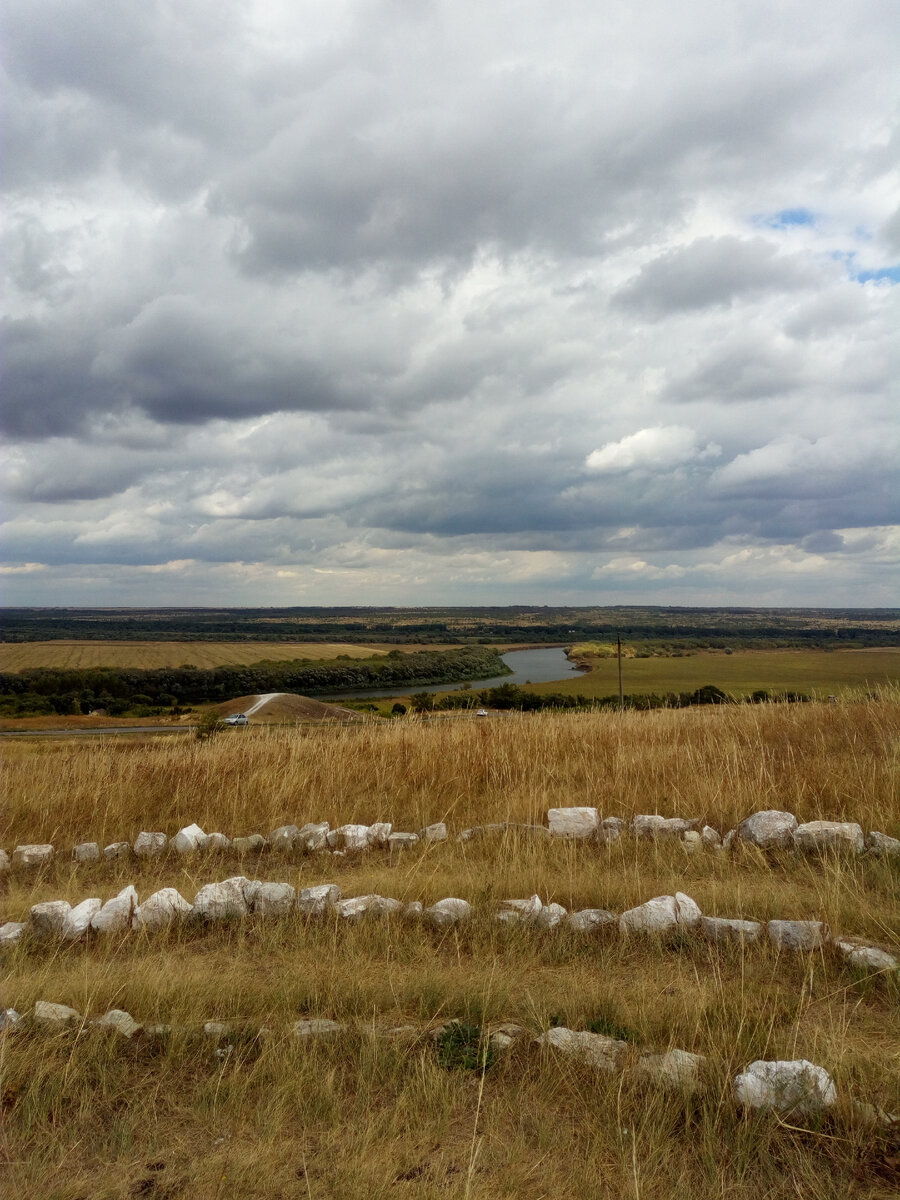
column 75, row 656
column 742, row 672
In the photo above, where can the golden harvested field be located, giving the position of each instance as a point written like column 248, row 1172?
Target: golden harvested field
column 19, row 656
column 742, row 672
column 365, row 1116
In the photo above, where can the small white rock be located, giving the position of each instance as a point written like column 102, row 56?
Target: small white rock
column 11, row 931
column 216, row 1029
column 434, row 833
column 119, row 1021
column 710, row 837
column 652, row 825
column 550, row 916
column 830, row 835
column 4, row 867
column 48, row 919
column 379, row 833
column 313, row 901
column 86, row 852
column 10, row 1020
column 315, row 1027
column 54, row 1015
column 189, row 840
column 688, row 911
column 398, row 841
column 163, row 908
column 117, row 914
column 654, row 916
column 79, row 918
column 349, row 837
column 216, row 842
column 254, row 843
column 798, row 935
column 150, row 845
column 223, row 901
column 274, row 899
column 447, row 912
column 797, row 1087
column 727, row 929
column 610, row 829
column 284, row 837
column 413, row 911
column 692, row 841
column 768, row 829
column 881, row 845
column 676, row 1070
column 314, row 835
column 590, row 919
column 866, row 958
column 595, row 1049
column 573, row 822
column 32, row 855
column 117, row 850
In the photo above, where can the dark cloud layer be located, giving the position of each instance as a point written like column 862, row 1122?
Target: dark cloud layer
column 390, row 302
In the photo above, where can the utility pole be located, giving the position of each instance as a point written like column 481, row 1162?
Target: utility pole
column 619, row 654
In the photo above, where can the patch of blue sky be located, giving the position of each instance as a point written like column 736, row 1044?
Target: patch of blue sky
column 880, row 275
column 787, row 218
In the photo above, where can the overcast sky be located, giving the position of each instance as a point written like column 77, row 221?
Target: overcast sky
column 445, row 301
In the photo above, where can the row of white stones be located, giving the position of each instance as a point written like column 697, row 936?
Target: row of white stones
column 240, row 897
column 791, row 1087
column 769, row 829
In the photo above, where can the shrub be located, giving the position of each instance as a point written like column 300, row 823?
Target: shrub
column 461, row 1046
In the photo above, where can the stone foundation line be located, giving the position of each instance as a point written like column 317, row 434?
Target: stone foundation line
column 240, row 897
column 770, row 829
column 796, row 1088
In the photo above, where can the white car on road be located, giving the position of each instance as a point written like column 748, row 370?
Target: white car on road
column 238, row 719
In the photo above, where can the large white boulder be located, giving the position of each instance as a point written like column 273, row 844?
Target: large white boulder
column 78, row 921
column 117, row 914
column 798, row 935
column 32, row 855
column 86, row 852
column 797, row 1087
column 163, row 908
column 651, row 825
column 768, row 829
column 48, row 919
column 221, row 901
column 606, row 1054
column 573, row 822
column 881, row 845
column 447, row 912
column 150, row 845
column 676, row 1070
column 189, row 840
column 830, row 835
column 349, row 837
column 313, row 901
column 728, row 929
column 274, row 899
column 54, row 1016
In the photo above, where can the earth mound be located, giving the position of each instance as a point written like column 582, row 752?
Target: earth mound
column 285, row 706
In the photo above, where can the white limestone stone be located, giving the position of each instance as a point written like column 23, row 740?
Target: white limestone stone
column 676, row 1070
column 150, row 845
column 354, row 908
column 798, row 1087
column 651, row 825
column 386, row 906
column 216, row 842
column 610, row 829
column 688, row 911
column 524, row 910
column 830, row 835
column 216, row 1029
column 434, row 833
column 284, row 837
column 768, row 829
column 313, row 901
column 163, row 908
column 86, row 852
column 32, row 855
column 589, row 919
column 866, row 958
column 881, row 845
column 11, row 932
column 274, row 899
column 314, row 836
column 315, row 1027
column 10, row 1020
column 78, row 920
column 550, row 916
column 52, row 1016
column 119, row 1021
column 655, row 916
column 573, row 822
column 604, row 1053
column 447, row 912
column 398, row 841
column 48, row 919
column 222, row 901
column 710, row 837
column 728, row 929
column 413, row 911
column 349, row 837
column 728, row 839
column 189, row 840
column 379, row 833
column 253, row 843
column 798, row 935
column 4, row 867
column 117, row 914
column 692, row 841
column 117, row 850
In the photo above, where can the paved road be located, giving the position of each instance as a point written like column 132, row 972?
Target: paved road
column 261, row 701
column 94, row 731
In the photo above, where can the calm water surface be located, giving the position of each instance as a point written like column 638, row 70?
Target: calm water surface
column 545, row 665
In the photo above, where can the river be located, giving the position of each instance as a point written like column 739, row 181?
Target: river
column 543, row 665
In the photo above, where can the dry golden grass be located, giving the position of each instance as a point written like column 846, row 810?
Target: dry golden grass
column 71, row 655
column 362, row 1116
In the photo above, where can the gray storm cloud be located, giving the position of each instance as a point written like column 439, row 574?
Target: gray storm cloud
column 378, row 302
